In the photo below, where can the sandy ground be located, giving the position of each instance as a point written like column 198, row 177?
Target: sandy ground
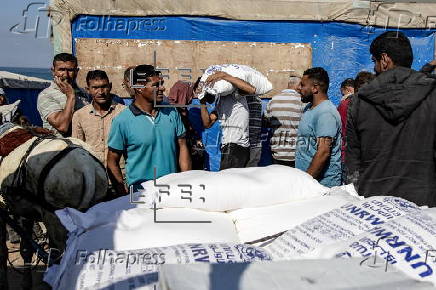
column 15, row 278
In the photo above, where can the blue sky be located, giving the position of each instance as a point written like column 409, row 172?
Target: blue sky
column 24, row 48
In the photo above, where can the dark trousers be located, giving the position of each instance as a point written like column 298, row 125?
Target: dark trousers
column 255, row 155
column 234, row 156
column 286, row 163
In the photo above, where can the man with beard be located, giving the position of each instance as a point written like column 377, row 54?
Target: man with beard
column 391, row 127
column 92, row 123
column 319, row 132
column 149, row 137
column 57, row 103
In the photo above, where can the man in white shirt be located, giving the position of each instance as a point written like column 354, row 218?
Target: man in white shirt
column 232, row 111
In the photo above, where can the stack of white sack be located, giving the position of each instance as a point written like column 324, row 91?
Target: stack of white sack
column 262, row 201
column 401, row 234
column 120, row 226
column 231, row 189
column 246, row 73
column 138, row 269
column 255, row 224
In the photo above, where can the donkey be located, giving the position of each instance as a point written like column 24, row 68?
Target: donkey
column 39, row 174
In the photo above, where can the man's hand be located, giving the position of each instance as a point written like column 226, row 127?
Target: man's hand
column 61, row 120
column 219, row 75
column 185, row 162
column 207, row 119
column 121, row 189
column 321, row 156
column 433, row 62
column 65, row 87
column 199, row 144
column 244, row 87
column 114, row 172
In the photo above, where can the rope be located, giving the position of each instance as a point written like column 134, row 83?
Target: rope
column 4, row 215
column 41, row 240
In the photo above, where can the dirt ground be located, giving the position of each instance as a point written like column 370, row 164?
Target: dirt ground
column 15, row 278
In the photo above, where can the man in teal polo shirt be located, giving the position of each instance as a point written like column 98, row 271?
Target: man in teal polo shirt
column 148, row 136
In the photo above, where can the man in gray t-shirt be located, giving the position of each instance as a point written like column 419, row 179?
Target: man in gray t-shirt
column 318, row 149
column 232, row 111
column 57, row 103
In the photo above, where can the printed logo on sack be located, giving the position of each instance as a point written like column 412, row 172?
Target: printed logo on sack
column 252, row 253
column 39, row 19
column 401, row 203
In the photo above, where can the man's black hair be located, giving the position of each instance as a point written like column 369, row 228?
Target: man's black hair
column 362, row 78
column 143, row 71
column 195, row 86
column 319, row 76
column 64, row 57
column 127, row 72
column 347, row 83
column 396, row 45
column 210, row 98
column 96, row 75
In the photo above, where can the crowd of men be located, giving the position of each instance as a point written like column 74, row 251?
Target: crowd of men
column 381, row 137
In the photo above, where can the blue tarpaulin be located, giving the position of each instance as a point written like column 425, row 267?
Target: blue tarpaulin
column 27, row 106
column 340, row 48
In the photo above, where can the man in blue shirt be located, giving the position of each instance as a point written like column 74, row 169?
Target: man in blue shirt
column 147, row 135
column 319, row 133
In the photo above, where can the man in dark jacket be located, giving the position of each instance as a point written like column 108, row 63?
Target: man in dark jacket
column 391, row 128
